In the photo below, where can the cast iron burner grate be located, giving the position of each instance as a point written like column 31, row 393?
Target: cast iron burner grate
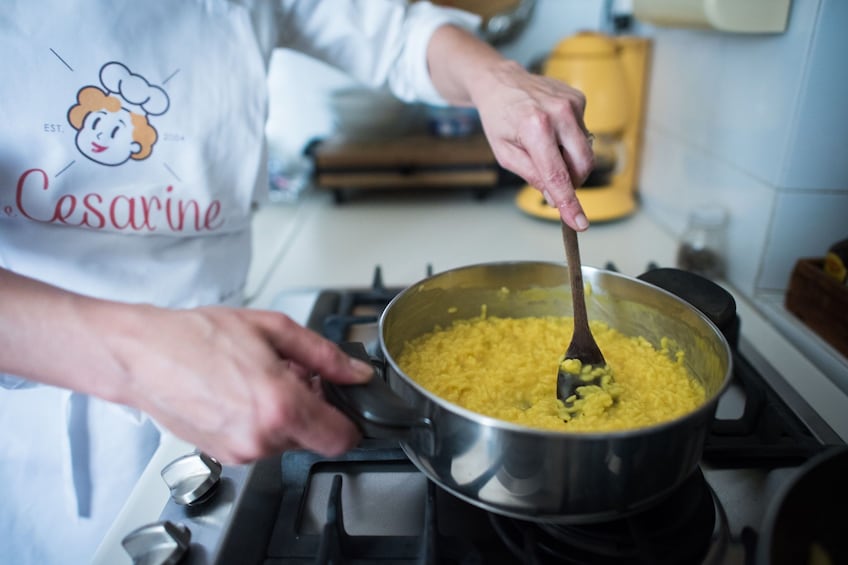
column 685, row 527
column 451, row 532
column 767, row 434
column 337, row 311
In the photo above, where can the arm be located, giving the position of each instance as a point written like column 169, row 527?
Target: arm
column 534, row 124
column 233, row 382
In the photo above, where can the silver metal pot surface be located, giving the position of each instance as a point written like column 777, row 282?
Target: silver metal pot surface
column 530, row 473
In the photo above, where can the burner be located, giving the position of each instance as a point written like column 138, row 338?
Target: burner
column 683, row 528
column 767, row 433
column 371, row 506
column 353, row 314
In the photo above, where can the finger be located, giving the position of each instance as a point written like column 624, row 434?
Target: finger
column 545, row 168
column 576, row 149
column 516, row 159
column 315, row 385
column 297, row 369
column 555, row 179
column 311, row 351
column 308, row 420
column 329, row 433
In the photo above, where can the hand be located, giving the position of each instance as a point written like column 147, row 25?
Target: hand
column 236, row 383
column 534, row 124
column 535, row 127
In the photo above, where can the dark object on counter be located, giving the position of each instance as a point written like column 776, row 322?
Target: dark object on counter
column 805, row 521
column 820, row 302
column 702, row 261
column 703, row 244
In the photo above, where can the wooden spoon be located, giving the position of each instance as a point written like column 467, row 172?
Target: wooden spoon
column 583, row 346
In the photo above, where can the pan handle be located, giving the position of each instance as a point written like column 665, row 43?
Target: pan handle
column 711, row 299
column 374, row 407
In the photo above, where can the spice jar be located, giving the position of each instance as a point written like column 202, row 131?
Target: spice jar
column 703, row 245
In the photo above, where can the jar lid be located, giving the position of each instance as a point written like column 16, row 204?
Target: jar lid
column 711, row 215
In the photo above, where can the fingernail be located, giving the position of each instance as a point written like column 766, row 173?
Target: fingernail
column 581, row 221
column 363, row 371
column 548, row 198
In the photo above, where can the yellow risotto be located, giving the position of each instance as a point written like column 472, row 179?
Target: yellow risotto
column 506, row 368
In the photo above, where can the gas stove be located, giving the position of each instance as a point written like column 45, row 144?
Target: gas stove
column 372, row 505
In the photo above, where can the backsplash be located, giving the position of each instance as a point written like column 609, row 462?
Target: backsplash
column 758, row 124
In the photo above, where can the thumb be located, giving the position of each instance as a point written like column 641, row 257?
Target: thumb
column 312, row 351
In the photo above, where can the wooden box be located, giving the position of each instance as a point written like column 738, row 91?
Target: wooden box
column 415, row 161
column 820, row 302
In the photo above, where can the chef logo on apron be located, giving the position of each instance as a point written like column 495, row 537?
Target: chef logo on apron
column 113, row 123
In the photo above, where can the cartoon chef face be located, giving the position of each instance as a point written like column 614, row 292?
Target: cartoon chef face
column 107, row 137
column 112, row 124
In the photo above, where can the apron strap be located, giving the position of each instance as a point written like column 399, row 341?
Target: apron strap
column 79, row 452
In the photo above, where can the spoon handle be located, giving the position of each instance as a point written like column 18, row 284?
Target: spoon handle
column 575, row 273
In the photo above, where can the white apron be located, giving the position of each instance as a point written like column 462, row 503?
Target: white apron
column 148, row 201
column 131, row 150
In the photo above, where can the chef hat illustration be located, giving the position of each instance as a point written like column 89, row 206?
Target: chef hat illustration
column 137, row 95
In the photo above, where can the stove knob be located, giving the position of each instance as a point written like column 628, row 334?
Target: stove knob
column 192, row 478
column 160, row 543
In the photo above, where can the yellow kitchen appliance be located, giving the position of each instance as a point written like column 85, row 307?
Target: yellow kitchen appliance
column 612, row 71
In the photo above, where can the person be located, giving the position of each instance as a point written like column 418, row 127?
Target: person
column 131, row 153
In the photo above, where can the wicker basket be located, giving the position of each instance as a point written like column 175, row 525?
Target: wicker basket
column 820, row 302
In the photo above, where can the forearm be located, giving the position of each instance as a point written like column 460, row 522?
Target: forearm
column 235, row 382
column 461, row 65
column 57, row 337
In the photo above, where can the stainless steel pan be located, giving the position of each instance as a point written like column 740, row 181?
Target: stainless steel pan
column 530, row 473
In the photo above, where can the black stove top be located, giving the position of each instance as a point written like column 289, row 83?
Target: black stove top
column 372, row 506
column 689, row 526
column 314, row 524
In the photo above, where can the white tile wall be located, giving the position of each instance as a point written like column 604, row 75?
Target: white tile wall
column 730, row 95
column 816, row 155
column 759, row 124
column 804, row 224
column 681, row 178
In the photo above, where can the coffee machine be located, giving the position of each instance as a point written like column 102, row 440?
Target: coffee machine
column 612, row 71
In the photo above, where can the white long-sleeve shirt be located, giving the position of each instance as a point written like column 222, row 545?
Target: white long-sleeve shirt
column 131, row 150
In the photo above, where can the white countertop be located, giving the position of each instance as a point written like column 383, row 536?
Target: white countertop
column 339, row 245
column 315, row 243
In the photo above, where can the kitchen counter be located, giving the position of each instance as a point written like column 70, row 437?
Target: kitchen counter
column 339, row 245
column 315, row 243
